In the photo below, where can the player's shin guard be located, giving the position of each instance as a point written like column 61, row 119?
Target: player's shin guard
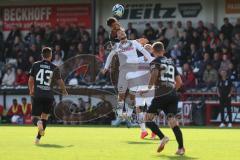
column 155, row 129
column 119, row 108
column 35, row 121
column 178, row 134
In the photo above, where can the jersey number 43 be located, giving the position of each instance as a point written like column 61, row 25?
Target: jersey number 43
column 44, row 77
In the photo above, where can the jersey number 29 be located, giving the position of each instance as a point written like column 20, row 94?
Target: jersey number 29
column 44, row 77
column 167, row 74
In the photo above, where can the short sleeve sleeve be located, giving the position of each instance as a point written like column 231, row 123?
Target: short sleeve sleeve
column 32, row 70
column 176, row 71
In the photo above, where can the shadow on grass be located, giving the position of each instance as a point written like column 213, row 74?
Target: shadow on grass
column 53, row 146
column 175, row 157
column 156, row 139
column 142, row 142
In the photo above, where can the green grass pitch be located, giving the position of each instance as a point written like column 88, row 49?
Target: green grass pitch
column 106, row 143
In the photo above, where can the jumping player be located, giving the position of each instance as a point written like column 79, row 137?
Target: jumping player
column 42, row 76
column 126, row 50
column 166, row 80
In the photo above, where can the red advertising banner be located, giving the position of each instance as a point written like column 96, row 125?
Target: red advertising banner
column 42, row 15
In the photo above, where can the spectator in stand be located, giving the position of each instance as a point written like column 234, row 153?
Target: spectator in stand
column 213, row 41
column 26, row 107
column 213, row 28
column 39, row 42
column 236, row 28
column 160, row 30
column 194, row 56
column 131, row 31
column 210, row 76
column 179, row 28
column 29, row 63
column 223, row 42
column 204, row 48
column 205, row 36
column 102, row 32
column 57, row 60
column 202, row 66
column 15, row 32
column 72, row 51
column 149, row 32
column 188, row 77
column 58, row 40
column 68, row 34
column 196, row 39
column 59, row 51
column 200, row 27
column 227, row 28
column 14, row 110
column 164, row 40
column 9, row 77
column 171, row 32
column 34, row 52
column 185, row 41
column 172, row 41
column 233, row 73
column 21, row 77
column 17, row 47
column 86, row 43
column 225, row 63
column 49, row 35
column 216, row 62
column 80, row 49
column 189, row 29
column 176, row 55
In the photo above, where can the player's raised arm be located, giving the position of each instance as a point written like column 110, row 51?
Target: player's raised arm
column 143, row 51
column 109, row 60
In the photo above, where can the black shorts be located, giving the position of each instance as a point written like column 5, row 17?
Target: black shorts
column 168, row 104
column 41, row 105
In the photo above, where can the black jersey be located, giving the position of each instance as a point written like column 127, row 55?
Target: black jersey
column 44, row 74
column 167, row 72
column 224, row 87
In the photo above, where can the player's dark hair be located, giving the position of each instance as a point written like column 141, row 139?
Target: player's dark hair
column 46, row 52
column 111, row 20
column 158, row 46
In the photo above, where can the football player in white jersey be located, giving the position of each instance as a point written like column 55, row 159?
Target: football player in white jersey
column 126, row 50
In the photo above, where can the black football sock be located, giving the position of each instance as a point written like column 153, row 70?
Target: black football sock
column 44, row 122
column 155, row 129
column 178, row 134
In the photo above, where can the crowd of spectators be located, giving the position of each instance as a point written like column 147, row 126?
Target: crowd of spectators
column 200, row 51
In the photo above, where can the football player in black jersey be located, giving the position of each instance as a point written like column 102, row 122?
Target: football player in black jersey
column 166, row 80
column 43, row 75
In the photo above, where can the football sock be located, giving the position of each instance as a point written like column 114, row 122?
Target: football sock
column 178, row 134
column 143, row 127
column 155, row 129
column 44, row 122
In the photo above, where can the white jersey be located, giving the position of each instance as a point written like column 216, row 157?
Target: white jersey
column 127, row 54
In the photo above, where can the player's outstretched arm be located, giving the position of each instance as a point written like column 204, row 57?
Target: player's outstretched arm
column 31, row 85
column 108, row 61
